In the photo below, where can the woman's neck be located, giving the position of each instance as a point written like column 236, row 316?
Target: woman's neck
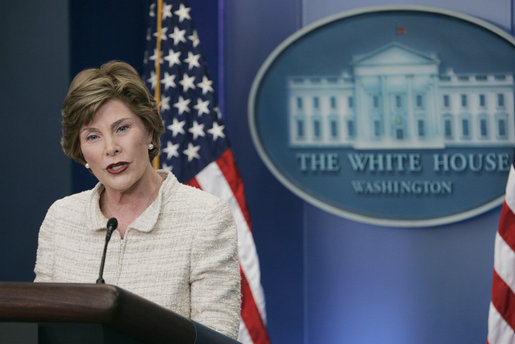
column 126, row 206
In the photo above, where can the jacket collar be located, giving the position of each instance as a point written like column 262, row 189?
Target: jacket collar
column 96, row 221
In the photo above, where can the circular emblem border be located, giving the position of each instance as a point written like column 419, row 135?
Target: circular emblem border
column 313, row 200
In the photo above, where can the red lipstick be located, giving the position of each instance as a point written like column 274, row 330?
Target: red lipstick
column 118, row 167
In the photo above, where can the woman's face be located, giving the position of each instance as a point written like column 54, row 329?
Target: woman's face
column 115, row 145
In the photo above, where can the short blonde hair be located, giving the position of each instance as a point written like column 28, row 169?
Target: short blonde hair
column 92, row 88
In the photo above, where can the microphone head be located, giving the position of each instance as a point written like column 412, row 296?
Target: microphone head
column 112, row 223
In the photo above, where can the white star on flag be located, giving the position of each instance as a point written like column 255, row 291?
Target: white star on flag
column 177, row 127
column 163, row 33
column 167, row 11
column 217, row 131
column 192, row 60
column 165, row 166
column 197, row 130
column 171, row 150
column 182, row 105
column 147, row 37
column 205, row 85
column 192, row 152
column 183, row 12
column 173, row 58
column 168, row 80
column 202, row 106
column 154, row 57
column 194, row 38
column 165, row 103
column 177, row 35
column 187, row 82
column 152, row 80
column 218, row 114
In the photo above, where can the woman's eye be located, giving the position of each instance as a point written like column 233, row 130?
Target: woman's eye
column 123, row 128
column 91, row 137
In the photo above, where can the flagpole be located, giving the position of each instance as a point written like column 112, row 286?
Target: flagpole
column 157, row 93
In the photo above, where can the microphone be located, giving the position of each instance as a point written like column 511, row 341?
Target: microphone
column 112, row 223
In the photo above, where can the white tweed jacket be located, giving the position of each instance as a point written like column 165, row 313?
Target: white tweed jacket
column 181, row 253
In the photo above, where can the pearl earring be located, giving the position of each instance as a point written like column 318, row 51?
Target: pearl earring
column 87, row 166
column 150, row 146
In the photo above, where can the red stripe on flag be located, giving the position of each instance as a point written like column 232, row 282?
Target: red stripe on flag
column 507, row 225
column 228, row 167
column 503, row 299
column 501, row 322
column 249, row 311
column 193, row 182
column 250, row 314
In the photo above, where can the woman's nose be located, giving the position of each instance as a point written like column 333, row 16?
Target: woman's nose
column 112, row 146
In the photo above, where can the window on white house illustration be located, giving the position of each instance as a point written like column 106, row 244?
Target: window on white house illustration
column 446, row 101
column 448, row 131
column 333, row 102
column 299, row 103
column 377, row 128
column 421, row 128
column 482, row 100
column 351, row 102
column 419, row 100
column 351, row 129
column 398, row 101
column 317, row 128
column 464, row 100
column 375, row 101
column 483, row 127
column 502, row 128
column 465, row 128
column 300, row 128
column 500, row 100
column 334, row 128
column 316, row 103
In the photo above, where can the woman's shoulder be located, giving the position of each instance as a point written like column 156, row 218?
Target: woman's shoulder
column 195, row 196
column 177, row 194
column 76, row 201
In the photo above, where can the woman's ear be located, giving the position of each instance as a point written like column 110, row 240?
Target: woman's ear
column 150, row 137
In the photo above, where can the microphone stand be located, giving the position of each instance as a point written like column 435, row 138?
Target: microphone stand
column 112, row 223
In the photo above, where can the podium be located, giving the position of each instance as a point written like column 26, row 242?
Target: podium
column 91, row 313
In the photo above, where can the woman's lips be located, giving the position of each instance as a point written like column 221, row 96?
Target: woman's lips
column 119, row 167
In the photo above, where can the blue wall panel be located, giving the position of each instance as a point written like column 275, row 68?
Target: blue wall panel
column 34, row 171
column 402, row 285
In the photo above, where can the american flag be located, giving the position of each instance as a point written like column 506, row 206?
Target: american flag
column 400, row 30
column 501, row 319
column 195, row 145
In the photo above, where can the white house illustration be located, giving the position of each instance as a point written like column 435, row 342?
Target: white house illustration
column 396, row 98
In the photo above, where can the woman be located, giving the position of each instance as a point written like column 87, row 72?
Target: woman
column 174, row 245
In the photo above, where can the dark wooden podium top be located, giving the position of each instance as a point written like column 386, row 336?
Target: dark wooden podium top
column 93, row 303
